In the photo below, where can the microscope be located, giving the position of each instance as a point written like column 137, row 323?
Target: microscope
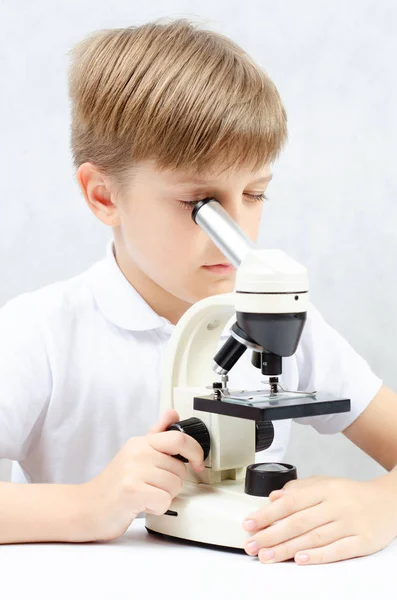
column 266, row 314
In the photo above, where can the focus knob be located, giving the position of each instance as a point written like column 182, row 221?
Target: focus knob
column 263, row 478
column 197, row 430
column 264, row 435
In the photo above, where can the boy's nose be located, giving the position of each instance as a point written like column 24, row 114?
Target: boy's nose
column 234, row 209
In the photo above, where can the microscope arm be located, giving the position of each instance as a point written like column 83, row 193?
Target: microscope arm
column 186, row 373
column 193, row 345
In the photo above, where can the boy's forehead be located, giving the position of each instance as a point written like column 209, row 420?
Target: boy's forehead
column 214, row 176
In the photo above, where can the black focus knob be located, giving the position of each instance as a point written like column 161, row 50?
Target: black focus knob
column 264, row 435
column 256, row 359
column 263, row 478
column 197, row 430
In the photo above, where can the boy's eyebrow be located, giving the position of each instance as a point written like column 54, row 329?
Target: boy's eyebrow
column 207, row 181
column 264, row 179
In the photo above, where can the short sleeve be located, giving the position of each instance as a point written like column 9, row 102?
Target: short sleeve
column 25, row 377
column 328, row 363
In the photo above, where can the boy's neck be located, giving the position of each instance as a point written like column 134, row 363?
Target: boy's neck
column 162, row 302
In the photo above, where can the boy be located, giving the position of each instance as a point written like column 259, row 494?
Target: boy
column 162, row 116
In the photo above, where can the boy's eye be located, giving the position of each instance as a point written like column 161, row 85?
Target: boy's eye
column 252, row 197
column 256, row 197
column 189, row 204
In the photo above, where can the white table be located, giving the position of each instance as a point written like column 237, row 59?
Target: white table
column 139, row 565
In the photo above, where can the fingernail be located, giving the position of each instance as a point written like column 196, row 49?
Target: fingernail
column 267, row 555
column 302, row 558
column 249, row 524
column 252, row 547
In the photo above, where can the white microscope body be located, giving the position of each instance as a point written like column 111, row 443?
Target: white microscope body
column 213, row 504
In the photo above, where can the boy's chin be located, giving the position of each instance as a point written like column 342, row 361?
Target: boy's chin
column 225, row 286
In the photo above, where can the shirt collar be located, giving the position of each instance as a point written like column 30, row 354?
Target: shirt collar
column 119, row 301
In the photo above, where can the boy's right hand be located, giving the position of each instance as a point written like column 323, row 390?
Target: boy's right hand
column 142, row 477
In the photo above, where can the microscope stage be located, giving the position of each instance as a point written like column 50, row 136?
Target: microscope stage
column 263, row 407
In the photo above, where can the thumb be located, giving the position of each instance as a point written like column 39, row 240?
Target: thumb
column 276, row 494
column 168, row 418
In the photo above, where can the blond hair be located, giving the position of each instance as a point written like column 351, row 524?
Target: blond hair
column 184, row 96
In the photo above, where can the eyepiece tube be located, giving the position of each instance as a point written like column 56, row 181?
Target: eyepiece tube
column 227, row 356
column 222, row 230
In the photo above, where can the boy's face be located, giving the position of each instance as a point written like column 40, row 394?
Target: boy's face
column 156, row 234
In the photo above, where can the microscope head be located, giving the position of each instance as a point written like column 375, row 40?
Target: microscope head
column 271, row 295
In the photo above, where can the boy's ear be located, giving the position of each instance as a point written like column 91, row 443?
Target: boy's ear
column 98, row 194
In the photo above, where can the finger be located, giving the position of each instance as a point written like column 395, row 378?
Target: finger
column 326, row 534
column 288, row 504
column 275, row 495
column 171, row 464
column 300, row 484
column 293, row 526
column 343, row 549
column 156, row 501
column 164, row 480
column 168, row 418
column 295, row 485
column 175, row 442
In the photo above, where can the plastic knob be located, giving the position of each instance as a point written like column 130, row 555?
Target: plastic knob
column 263, row 478
column 264, row 435
column 256, row 359
column 197, row 429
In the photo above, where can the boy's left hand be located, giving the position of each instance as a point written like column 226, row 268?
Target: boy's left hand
column 323, row 519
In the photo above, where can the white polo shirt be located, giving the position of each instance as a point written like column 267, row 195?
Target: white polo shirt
column 80, row 370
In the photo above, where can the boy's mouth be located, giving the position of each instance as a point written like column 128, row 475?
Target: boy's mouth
column 220, row 268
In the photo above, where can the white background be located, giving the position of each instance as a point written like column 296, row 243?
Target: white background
column 333, row 199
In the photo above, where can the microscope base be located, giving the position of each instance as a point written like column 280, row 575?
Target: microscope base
column 208, row 514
